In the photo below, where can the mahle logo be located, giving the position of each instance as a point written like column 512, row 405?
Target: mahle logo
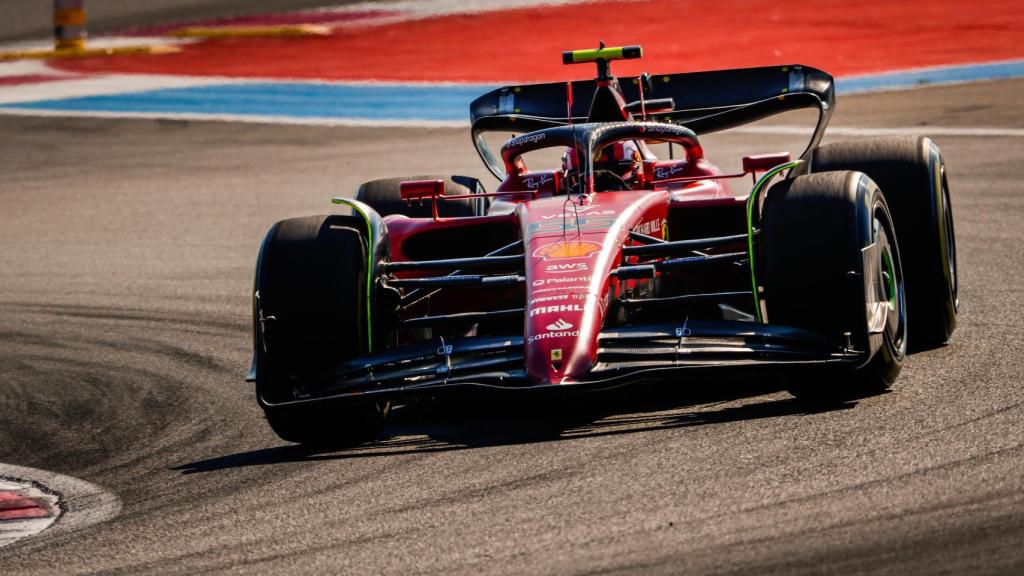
column 555, row 308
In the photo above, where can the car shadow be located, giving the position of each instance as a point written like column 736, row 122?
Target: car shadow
column 445, row 425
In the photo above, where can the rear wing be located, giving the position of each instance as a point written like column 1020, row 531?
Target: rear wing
column 702, row 101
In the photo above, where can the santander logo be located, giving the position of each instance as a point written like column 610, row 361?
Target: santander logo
column 557, row 329
column 559, row 325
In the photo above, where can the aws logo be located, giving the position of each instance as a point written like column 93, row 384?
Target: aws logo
column 570, row 267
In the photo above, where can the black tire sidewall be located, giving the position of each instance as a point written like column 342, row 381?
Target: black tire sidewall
column 311, row 278
column 911, row 175
column 814, row 229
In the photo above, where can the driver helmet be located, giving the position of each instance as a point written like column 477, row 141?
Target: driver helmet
column 621, row 158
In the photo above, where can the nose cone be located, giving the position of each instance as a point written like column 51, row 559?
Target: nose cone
column 559, row 328
column 565, row 278
column 571, row 250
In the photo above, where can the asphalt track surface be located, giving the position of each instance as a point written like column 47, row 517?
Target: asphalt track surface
column 127, row 257
column 32, row 19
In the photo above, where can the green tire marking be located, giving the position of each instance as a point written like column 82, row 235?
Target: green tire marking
column 751, row 205
column 369, row 258
column 890, row 273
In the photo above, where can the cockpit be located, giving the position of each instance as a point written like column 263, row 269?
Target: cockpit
column 600, row 157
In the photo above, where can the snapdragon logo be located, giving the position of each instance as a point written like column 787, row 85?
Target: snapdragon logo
column 663, row 129
column 529, row 138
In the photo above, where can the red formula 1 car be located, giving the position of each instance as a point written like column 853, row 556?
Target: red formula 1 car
column 616, row 267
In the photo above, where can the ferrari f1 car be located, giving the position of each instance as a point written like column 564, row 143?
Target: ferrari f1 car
column 616, row 267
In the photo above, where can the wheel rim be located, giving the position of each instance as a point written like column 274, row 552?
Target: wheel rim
column 890, row 288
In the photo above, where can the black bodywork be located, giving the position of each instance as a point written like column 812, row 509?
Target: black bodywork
column 701, row 101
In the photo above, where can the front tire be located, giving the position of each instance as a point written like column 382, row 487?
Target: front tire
column 822, row 234
column 308, row 318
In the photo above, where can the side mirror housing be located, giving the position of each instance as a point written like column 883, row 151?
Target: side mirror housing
column 764, row 162
column 420, row 189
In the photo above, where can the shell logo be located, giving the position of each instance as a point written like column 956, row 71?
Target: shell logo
column 567, row 249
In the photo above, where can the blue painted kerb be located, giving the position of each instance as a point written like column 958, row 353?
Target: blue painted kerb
column 409, row 102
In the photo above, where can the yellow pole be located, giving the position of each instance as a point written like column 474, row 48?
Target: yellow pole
column 69, row 38
column 69, row 24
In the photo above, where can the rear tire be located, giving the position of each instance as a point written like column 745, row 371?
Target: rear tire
column 383, row 196
column 309, row 286
column 815, row 229
column 912, row 176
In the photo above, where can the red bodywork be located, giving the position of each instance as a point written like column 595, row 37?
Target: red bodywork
column 571, row 245
column 620, row 267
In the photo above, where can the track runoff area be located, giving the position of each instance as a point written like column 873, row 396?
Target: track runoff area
column 420, row 64
column 385, row 65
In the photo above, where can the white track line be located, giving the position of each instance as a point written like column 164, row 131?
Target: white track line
column 417, row 9
column 68, row 85
column 80, row 86
column 967, row 132
column 248, row 119
column 944, row 131
column 30, row 68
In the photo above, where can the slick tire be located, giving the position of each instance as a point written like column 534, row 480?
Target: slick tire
column 912, row 176
column 308, row 318
column 815, row 230
column 384, row 196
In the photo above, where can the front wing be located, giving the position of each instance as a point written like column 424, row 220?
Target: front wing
column 626, row 355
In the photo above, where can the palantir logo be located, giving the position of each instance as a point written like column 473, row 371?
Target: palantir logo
column 559, row 325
